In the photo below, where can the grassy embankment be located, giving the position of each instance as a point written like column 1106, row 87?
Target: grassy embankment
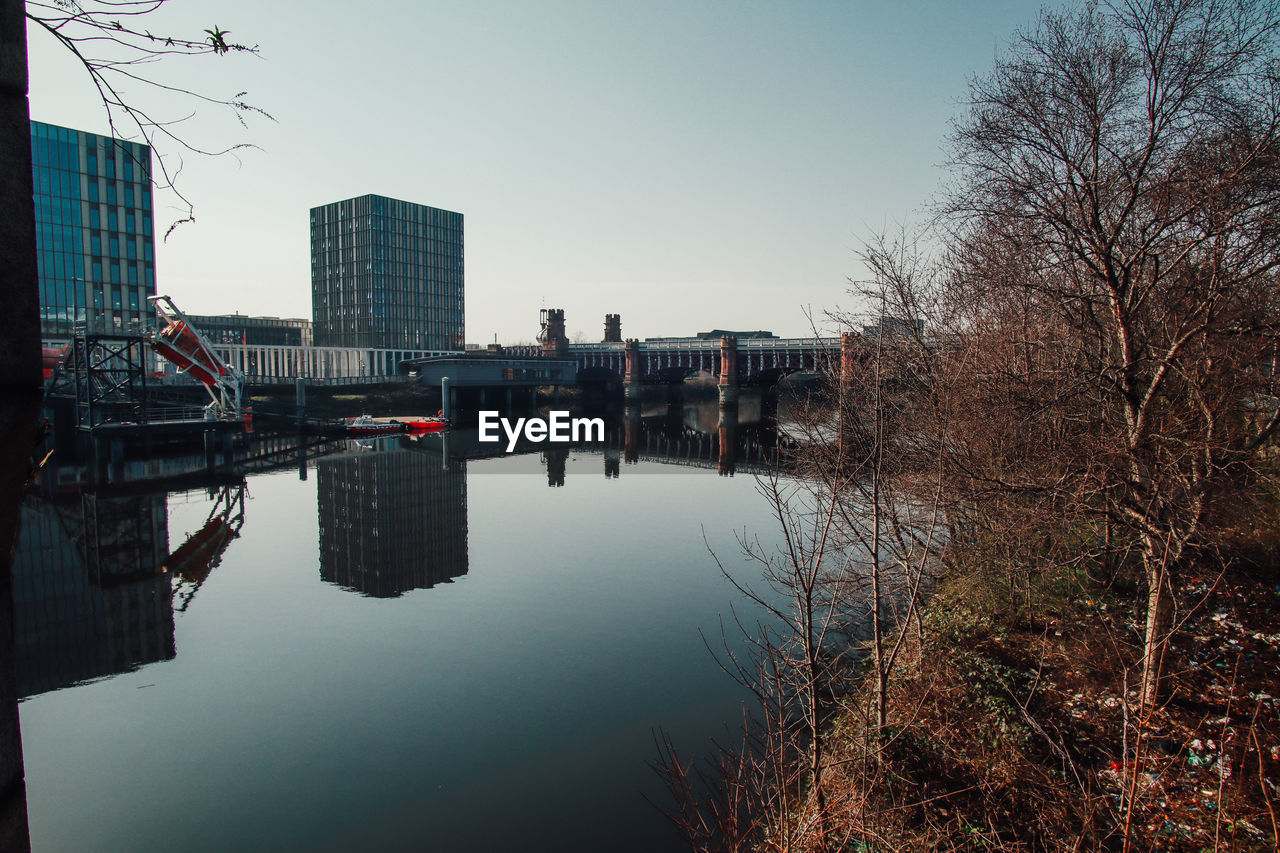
column 1016, row 722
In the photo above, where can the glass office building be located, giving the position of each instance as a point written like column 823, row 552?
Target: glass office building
column 386, row 274
column 94, row 233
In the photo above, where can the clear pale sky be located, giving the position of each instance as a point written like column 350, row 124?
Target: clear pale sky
column 689, row 165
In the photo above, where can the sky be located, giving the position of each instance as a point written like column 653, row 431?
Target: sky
column 687, row 164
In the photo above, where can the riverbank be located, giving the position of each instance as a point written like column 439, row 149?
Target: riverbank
column 1012, row 716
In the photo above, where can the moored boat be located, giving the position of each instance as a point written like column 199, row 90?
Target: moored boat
column 427, row 424
column 367, row 426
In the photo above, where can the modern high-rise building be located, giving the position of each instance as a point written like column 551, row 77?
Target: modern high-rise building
column 386, row 274
column 94, row 233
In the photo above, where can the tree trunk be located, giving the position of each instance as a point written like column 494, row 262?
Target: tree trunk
column 1159, row 622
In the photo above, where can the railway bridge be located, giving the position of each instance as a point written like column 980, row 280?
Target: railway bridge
column 755, row 359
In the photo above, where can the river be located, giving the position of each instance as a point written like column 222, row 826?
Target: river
column 381, row 647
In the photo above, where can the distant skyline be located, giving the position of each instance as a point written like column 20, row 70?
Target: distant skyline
column 686, row 165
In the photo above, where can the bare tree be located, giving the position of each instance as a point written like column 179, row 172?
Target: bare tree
column 891, row 507
column 110, row 40
column 859, row 514
column 1117, row 200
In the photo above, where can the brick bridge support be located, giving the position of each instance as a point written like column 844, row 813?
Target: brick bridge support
column 633, row 371
column 728, row 372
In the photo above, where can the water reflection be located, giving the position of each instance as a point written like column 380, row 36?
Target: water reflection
column 692, row 434
column 560, row 660
column 555, row 458
column 91, row 596
column 391, row 520
column 193, row 560
column 96, row 586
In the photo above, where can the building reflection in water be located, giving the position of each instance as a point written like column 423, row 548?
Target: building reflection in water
column 391, row 519
column 91, row 596
column 555, row 458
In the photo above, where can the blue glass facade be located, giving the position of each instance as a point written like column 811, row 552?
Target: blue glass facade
column 94, row 234
column 386, row 274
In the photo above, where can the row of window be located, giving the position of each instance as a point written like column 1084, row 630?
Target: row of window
column 67, row 300
column 378, row 229
column 430, row 252
column 373, row 207
column 57, row 219
column 66, row 186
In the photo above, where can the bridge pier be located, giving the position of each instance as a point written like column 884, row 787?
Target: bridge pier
column 729, row 372
column 631, row 375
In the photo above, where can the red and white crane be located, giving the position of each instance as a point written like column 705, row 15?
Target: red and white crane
column 181, row 343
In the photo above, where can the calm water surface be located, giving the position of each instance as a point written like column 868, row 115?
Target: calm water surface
column 394, row 653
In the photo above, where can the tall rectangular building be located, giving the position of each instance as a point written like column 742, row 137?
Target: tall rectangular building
column 386, row 274
column 94, row 235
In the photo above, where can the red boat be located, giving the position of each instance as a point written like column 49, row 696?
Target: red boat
column 416, row 426
column 181, row 344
